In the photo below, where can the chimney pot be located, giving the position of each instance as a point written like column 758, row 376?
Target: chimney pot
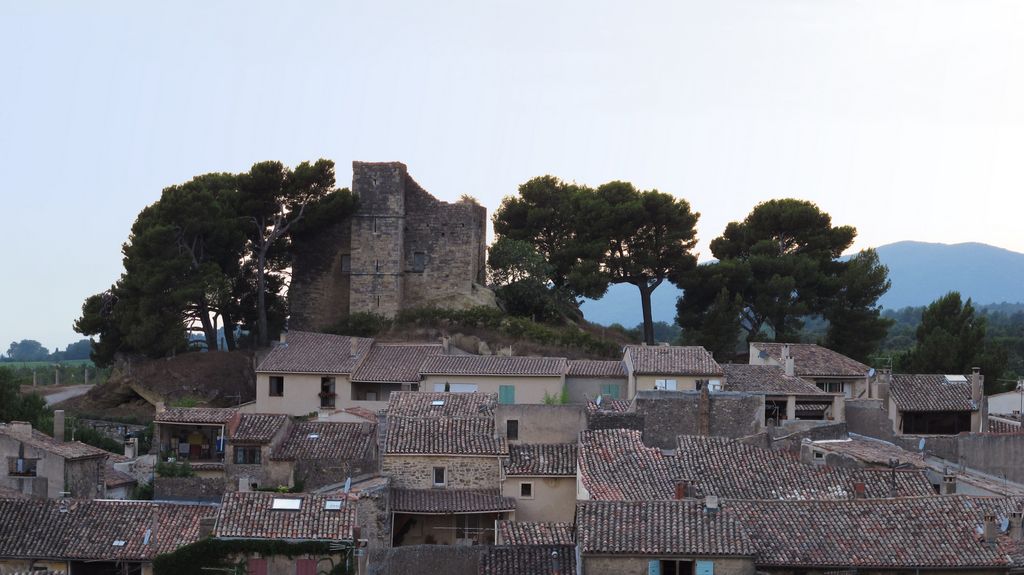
column 990, row 528
column 58, row 425
column 790, row 366
column 859, row 490
column 948, row 484
column 353, row 346
column 1017, row 526
column 682, row 490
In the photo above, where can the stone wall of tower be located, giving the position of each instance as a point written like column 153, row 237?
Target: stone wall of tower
column 378, row 234
column 319, row 293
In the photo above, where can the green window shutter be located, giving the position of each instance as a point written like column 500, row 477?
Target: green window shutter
column 610, row 390
column 507, row 394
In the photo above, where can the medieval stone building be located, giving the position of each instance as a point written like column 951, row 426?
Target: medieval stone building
column 403, row 248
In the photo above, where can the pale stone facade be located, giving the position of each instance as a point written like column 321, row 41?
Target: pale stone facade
column 461, row 472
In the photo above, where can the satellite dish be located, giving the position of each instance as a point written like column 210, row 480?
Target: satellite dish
column 348, row 486
column 920, row 445
column 871, row 372
column 598, row 401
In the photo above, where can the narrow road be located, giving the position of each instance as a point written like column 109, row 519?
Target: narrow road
column 71, row 391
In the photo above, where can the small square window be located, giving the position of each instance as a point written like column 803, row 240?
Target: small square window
column 526, row 490
column 419, row 261
column 512, row 429
column 346, row 263
column 277, row 386
column 247, row 455
column 439, row 478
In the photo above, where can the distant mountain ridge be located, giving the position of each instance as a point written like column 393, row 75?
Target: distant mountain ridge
column 920, row 272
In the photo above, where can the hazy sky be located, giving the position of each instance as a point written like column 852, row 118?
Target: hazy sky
column 902, row 118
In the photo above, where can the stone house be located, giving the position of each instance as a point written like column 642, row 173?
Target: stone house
column 670, row 368
column 788, row 398
column 831, row 371
column 586, row 379
column 515, row 379
column 443, row 457
column 252, row 438
column 935, row 404
column 294, row 518
column 402, row 249
column 42, row 466
column 316, row 454
column 93, row 537
column 197, row 435
column 541, row 477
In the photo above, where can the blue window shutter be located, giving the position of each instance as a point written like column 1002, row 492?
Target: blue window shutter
column 654, row 567
column 705, row 568
column 507, row 394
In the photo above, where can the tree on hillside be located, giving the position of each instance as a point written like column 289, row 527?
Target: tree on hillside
column 275, row 200
column 521, row 279
column 856, row 326
column 645, row 238
column 27, row 350
column 782, row 264
column 951, row 338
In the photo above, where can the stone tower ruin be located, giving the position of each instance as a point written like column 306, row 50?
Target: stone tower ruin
column 403, row 248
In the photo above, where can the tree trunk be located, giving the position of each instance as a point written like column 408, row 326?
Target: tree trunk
column 262, row 339
column 209, row 330
column 645, row 304
column 229, row 332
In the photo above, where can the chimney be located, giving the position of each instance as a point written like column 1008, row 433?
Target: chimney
column 161, row 407
column 555, row 566
column 20, row 428
column 283, row 338
column 948, row 484
column 353, row 346
column 682, row 488
column 58, row 425
column 711, row 503
column 785, row 351
column 1017, row 526
column 131, row 447
column 790, row 366
column 977, row 386
column 859, row 491
column 206, row 525
column 446, row 344
column 990, row 528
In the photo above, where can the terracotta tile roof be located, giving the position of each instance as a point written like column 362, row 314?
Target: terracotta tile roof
column 443, row 501
column 91, row 529
column 999, row 425
column 596, row 368
column 659, row 528
column 813, row 360
column 729, row 468
column 766, row 379
column 252, row 516
column 615, row 465
column 197, row 415
column 442, row 436
column 66, row 449
column 541, row 459
column 920, row 532
column 535, row 533
column 113, row 478
column 363, row 413
column 672, row 360
column 527, row 559
column 870, row 450
column 307, row 352
column 394, row 363
column 326, row 440
column 613, row 405
column 9, row 493
column 257, row 427
column 441, row 404
column 930, row 392
column 493, row 365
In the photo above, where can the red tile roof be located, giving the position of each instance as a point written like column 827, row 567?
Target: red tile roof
column 327, row 440
column 541, row 459
column 527, row 559
column 394, row 363
column 999, row 425
column 613, row 405
column 442, row 404
column 493, row 365
column 307, row 352
column 443, row 501
column 196, row 415
column 930, row 392
column 596, row 368
column 252, row 516
column 113, row 478
column 91, row 530
column 659, row 528
column 615, row 464
column 442, row 436
column 257, row 427
column 813, row 360
column 535, row 533
column 765, row 379
column 672, row 360
column 67, row 449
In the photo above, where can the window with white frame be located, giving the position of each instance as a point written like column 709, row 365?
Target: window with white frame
column 666, row 384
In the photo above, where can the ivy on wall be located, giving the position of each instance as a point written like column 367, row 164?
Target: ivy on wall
column 229, row 554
